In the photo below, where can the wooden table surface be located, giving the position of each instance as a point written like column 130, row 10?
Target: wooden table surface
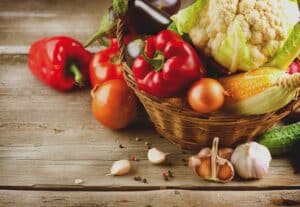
column 48, row 139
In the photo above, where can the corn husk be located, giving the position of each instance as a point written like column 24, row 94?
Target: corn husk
column 260, row 91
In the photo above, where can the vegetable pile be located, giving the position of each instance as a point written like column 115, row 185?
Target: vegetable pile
column 261, row 37
column 228, row 56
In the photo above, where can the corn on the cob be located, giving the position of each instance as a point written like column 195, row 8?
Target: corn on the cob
column 260, row 91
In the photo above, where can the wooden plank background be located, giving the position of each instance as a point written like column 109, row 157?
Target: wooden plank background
column 24, row 21
column 48, row 139
column 172, row 198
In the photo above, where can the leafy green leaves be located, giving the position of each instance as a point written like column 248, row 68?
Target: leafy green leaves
column 120, row 7
column 289, row 51
column 234, row 52
column 186, row 18
column 108, row 20
column 106, row 25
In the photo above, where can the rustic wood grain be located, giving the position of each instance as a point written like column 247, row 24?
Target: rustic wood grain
column 171, row 198
column 24, row 21
column 48, row 139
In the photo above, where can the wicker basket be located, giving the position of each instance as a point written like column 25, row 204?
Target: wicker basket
column 190, row 130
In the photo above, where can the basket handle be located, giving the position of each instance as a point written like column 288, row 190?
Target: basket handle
column 120, row 35
column 127, row 72
column 122, row 47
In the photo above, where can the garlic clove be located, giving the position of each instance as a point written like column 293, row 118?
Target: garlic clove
column 204, row 170
column 156, row 156
column 79, row 181
column 194, row 161
column 204, row 152
column 225, row 170
column 121, row 167
column 225, row 153
column 251, row 160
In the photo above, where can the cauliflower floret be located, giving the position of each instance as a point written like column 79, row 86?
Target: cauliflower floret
column 200, row 37
column 256, row 38
column 199, row 33
column 245, row 25
column 264, row 24
column 252, row 17
column 270, row 48
column 246, row 6
column 257, row 55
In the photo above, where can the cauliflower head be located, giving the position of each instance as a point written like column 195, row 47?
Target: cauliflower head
column 240, row 34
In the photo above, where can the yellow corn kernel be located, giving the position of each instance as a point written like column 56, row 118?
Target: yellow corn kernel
column 244, row 85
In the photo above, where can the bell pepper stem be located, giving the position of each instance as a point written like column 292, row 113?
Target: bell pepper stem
column 157, row 61
column 77, row 74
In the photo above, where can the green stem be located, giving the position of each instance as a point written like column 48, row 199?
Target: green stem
column 94, row 37
column 77, row 74
column 104, row 41
column 157, row 61
column 106, row 27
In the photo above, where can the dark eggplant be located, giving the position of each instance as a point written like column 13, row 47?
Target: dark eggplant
column 146, row 18
column 169, row 6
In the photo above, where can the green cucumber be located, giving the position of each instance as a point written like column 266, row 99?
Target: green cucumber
column 282, row 139
column 288, row 52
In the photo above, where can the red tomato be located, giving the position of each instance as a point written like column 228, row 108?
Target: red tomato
column 106, row 65
column 114, row 104
column 206, row 95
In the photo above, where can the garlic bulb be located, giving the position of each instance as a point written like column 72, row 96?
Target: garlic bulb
column 121, row 167
column 208, row 165
column 251, row 160
column 156, row 156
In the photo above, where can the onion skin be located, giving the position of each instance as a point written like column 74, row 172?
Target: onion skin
column 206, row 95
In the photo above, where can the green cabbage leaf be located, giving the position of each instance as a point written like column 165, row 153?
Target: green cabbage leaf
column 186, row 18
column 233, row 52
column 288, row 52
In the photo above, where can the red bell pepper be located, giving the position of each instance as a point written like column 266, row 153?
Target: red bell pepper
column 168, row 65
column 61, row 62
column 106, row 65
